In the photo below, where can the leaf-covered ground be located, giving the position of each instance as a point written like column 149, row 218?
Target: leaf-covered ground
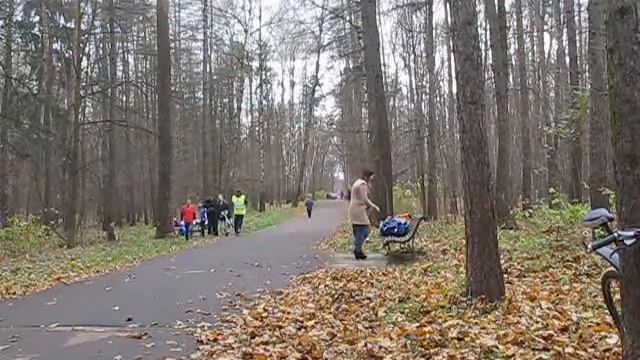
column 552, row 309
column 43, row 264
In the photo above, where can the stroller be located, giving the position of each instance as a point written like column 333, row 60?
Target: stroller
column 225, row 223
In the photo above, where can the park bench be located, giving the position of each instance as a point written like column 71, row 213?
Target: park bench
column 406, row 241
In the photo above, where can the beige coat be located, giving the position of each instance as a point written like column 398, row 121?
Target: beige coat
column 359, row 203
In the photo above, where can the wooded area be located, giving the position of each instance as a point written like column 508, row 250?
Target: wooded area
column 297, row 95
column 113, row 112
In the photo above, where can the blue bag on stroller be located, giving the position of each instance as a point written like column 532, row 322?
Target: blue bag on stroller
column 393, row 226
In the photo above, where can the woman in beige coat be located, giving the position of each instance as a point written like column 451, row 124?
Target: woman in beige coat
column 358, row 206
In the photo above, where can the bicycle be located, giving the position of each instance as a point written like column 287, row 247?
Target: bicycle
column 621, row 239
column 226, row 222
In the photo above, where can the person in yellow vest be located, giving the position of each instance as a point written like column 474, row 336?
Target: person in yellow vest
column 239, row 201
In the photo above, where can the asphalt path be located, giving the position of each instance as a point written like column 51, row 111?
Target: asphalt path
column 103, row 317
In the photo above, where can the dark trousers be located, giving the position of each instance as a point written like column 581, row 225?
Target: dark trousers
column 212, row 228
column 237, row 223
column 309, row 209
column 187, row 230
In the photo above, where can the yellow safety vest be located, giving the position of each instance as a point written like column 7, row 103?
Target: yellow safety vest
column 239, row 207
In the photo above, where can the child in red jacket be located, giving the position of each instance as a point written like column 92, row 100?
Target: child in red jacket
column 188, row 214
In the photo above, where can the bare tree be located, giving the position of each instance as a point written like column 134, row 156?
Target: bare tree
column 377, row 109
column 432, row 204
column 483, row 270
column 623, row 47
column 310, row 105
column 574, row 81
column 498, row 30
column 165, row 147
column 6, row 113
column 600, row 134
column 73, row 169
column 524, row 108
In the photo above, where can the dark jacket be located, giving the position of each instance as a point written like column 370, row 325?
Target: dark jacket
column 309, row 204
column 209, row 204
column 221, row 206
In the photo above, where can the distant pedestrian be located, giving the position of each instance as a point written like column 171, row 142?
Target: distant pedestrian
column 309, row 205
column 358, row 205
column 203, row 219
column 188, row 215
column 239, row 201
column 212, row 224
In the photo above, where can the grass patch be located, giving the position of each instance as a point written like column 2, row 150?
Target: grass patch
column 36, row 264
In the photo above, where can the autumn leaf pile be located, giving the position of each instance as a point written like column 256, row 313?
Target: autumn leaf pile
column 552, row 309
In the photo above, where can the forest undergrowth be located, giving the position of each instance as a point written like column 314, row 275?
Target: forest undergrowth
column 33, row 258
column 552, row 309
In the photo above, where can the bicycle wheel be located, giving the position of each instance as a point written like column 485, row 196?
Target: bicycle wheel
column 609, row 278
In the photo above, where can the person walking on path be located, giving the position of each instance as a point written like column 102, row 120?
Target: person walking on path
column 212, row 219
column 188, row 214
column 309, row 205
column 240, row 203
column 357, row 212
column 203, row 217
column 222, row 212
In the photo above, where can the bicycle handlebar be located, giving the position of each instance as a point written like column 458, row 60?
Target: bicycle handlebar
column 602, row 242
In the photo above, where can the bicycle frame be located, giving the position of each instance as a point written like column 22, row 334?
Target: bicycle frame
column 601, row 218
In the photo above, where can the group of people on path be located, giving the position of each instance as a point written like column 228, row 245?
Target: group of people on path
column 214, row 213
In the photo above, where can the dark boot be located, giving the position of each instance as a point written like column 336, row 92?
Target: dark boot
column 360, row 255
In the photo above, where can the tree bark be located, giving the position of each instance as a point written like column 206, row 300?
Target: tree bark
column 110, row 195
column 73, row 190
column 575, row 192
column 377, row 110
column 6, row 115
column 498, row 31
column 432, row 195
column 552, row 155
column 46, row 105
column 453, row 165
column 309, row 113
column 165, row 147
column 623, row 48
column 206, row 105
column 600, row 136
column 524, row 109
column 483, row 270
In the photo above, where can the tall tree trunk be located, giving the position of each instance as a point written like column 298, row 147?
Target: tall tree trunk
column 451, row 114
column 309, row 113
column 377, row 110
column 600, row 135
column 46, row 105
column 524, row 109
column 575, row 192
column 415, row 91
column 110, row 196
column 542, row 106
column 552, row 156
column 73, row 190
column 130, row 157
column 206, row 104
column 6, row 115
column 483, row 270
column 623, row 47
column 165, row 147
column 432, row 194
column 498, row 31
